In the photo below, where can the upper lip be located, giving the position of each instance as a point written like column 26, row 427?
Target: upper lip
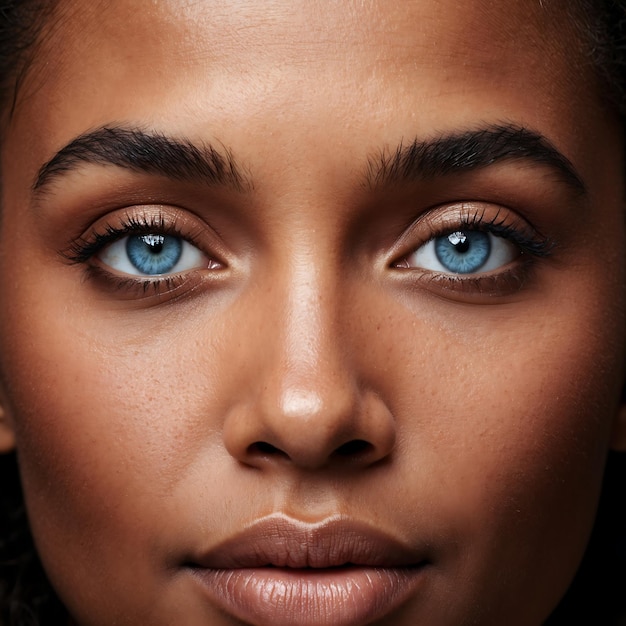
column 281, row 541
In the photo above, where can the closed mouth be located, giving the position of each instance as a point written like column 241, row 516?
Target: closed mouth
column 283, row 571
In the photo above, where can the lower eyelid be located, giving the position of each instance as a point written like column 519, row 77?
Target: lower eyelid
column 479, row 288
column 157, row 290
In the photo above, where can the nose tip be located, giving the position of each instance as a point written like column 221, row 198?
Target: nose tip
column 310, row 431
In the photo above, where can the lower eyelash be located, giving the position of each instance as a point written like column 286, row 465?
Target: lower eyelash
column 136, row 288
column 509, row 281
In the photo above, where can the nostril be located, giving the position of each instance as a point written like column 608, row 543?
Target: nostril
column 355, row 447
column 262, row 448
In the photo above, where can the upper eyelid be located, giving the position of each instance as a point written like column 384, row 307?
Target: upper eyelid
column 106, row 231
column 496, row 219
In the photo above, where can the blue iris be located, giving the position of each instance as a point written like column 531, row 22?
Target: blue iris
column 463, row 252
column 154, row 254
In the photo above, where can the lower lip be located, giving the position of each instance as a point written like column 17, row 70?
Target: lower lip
column 350, row 596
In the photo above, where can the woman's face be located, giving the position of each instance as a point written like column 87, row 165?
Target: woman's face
column 312, row 312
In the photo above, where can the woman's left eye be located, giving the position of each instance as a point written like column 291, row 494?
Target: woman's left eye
column 463, row 252
column 152, row 255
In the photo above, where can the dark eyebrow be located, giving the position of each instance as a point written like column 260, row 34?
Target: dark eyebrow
column 149, row 152
column 468, row 150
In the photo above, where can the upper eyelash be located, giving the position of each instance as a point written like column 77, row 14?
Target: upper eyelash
column 528, row 239
column 85, row 247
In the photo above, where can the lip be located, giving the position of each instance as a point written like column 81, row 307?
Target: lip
column 283, row 571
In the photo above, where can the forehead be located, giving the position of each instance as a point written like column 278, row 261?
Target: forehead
column 424, row 45
column 384, row 69
column 221, row 31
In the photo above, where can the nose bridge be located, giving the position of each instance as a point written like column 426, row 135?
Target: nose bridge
column 310, row 389
column 309, row 344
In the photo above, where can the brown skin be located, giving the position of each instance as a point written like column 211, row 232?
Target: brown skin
column 488, row 406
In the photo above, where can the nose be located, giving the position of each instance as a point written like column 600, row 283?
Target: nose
column 306, row 402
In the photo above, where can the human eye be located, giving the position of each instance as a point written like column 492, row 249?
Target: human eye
column 152, row 254
column 143, row 251
column 464, row 252
column 473, row 249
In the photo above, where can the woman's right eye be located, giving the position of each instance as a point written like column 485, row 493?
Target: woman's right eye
column 152, row 254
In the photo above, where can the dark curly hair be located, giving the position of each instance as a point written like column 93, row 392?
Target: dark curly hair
column 597, row 595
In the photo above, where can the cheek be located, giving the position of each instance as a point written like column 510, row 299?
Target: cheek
column 506, row 422
column 109, row 423
column 111, row 435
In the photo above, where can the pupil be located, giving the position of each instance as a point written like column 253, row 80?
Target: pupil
column 154, row 243
column 459, row 241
